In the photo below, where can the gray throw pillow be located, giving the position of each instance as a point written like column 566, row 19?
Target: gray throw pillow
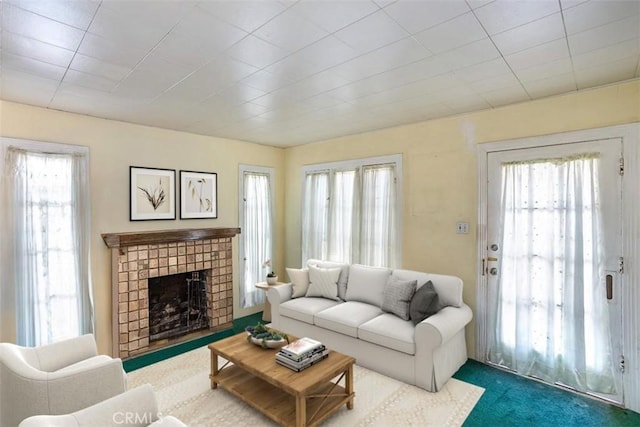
column 424, row 303
column 397, row 296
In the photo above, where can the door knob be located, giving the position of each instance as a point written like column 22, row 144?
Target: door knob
column 494, row 247
column 493, row 271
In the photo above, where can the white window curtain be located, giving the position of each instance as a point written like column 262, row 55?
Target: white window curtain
column 377, row 244
column 349, row 215
column 257, row 235
column 46, row 242
column 550, row 310
column 315, row 216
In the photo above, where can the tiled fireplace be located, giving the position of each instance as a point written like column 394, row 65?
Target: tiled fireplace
column 138, row 257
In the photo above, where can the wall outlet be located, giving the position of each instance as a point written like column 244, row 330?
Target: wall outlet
column 462, row 228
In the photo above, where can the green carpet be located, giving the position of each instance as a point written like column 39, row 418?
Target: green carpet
column 508, row 400
column 512, row 400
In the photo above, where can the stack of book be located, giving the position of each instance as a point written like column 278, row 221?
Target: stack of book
column 301, row 354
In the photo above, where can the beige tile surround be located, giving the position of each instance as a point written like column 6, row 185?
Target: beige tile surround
column 133, row 266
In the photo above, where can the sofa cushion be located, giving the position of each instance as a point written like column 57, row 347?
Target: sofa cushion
column 449, row 288
column 299, row 281
column 344, row 273
column 323, row 282
column 397, row 296
column 346, row 317
column 303, row 309
column 366, row 284
column 425, row 303
column 389, row 331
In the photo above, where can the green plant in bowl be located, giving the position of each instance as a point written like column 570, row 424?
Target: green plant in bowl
column 266, row 337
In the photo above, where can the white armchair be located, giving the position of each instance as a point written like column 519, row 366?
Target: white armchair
column 55, row 379
column 135, row 408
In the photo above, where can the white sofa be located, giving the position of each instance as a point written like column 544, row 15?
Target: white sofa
column 425, row 355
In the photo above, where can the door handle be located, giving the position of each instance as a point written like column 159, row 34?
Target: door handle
column 493, row 271
column 609, row 281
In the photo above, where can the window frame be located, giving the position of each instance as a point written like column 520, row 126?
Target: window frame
column 395, row 159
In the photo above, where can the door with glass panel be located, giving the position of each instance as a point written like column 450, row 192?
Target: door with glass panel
column 554, row 261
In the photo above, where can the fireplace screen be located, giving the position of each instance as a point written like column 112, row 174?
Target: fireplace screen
column 177, row 305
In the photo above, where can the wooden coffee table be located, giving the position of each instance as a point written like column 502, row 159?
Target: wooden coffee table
column 289, row 398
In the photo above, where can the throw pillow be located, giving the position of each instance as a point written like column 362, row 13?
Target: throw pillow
column 424, row 303
column 323, row 282
column 397, row 296
column 300, row 280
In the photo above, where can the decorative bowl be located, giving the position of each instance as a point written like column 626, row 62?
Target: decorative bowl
column 269, row 343
column 272, row 280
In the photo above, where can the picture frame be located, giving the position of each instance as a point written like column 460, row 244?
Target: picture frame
column 198, row 195
column 152, row 193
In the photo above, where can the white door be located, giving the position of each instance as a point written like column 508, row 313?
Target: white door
column 553, row 264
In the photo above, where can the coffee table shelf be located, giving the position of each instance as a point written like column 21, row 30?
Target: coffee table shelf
column 289, row 398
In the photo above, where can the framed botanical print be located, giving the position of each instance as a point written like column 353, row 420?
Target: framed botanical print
column 198, row 195
column 152, row 193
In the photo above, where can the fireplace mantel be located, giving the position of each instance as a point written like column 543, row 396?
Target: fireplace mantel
column 137, row 257
column 119, row 240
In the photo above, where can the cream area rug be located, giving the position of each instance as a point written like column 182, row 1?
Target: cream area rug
column 183, row 390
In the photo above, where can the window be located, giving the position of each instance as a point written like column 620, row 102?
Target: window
column 350, row 211
column 256, row 239
column 45, row 262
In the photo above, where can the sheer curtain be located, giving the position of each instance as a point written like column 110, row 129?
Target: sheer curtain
column 551, row 314
column 46, row 245
column 315, row 216
column 349, row 215
column 377, row 244
column 256, row 235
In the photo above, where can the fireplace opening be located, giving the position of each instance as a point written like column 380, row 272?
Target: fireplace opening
column 177, row 305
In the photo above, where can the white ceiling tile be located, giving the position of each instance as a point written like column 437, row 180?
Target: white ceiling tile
column 210, row 33
column 318, row 83
column 626, row 49
column 371, row 32
column 595, row 13
column 89, row 80
column 502, row 15
column 474, row 4
column 36, row 49
column 266, row 81
column 495, row 83
column 452, row 34
column 464, row 104
column 541, row 54
column 127, row 29
column 29, row 24
column 603, row 74
column 334, row 15
column 26, row 88
column 110, row 51
column 559, row 84
column 395, row 55
column 236, row 95
column 152, row 77
column 75, row 13
column 328, row 52
column 32, row 66
column 529, row 35
column 322, row 100
column 254, row 51
column 415, row 16
column 278, row 31
column 90, row 65
column 567, row 4
column 294, row 67
column 605, row 35
column 542, row 71
column 470, row 54
column 247, row 15
column 484, row 70
column 500, row 97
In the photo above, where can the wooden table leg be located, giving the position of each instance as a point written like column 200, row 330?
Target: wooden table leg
column 349, row 386
column 214, row 369
column 301, row 411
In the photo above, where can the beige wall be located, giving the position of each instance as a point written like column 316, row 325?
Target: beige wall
column 439, row 161
column 114, row 146
column 439, row 175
